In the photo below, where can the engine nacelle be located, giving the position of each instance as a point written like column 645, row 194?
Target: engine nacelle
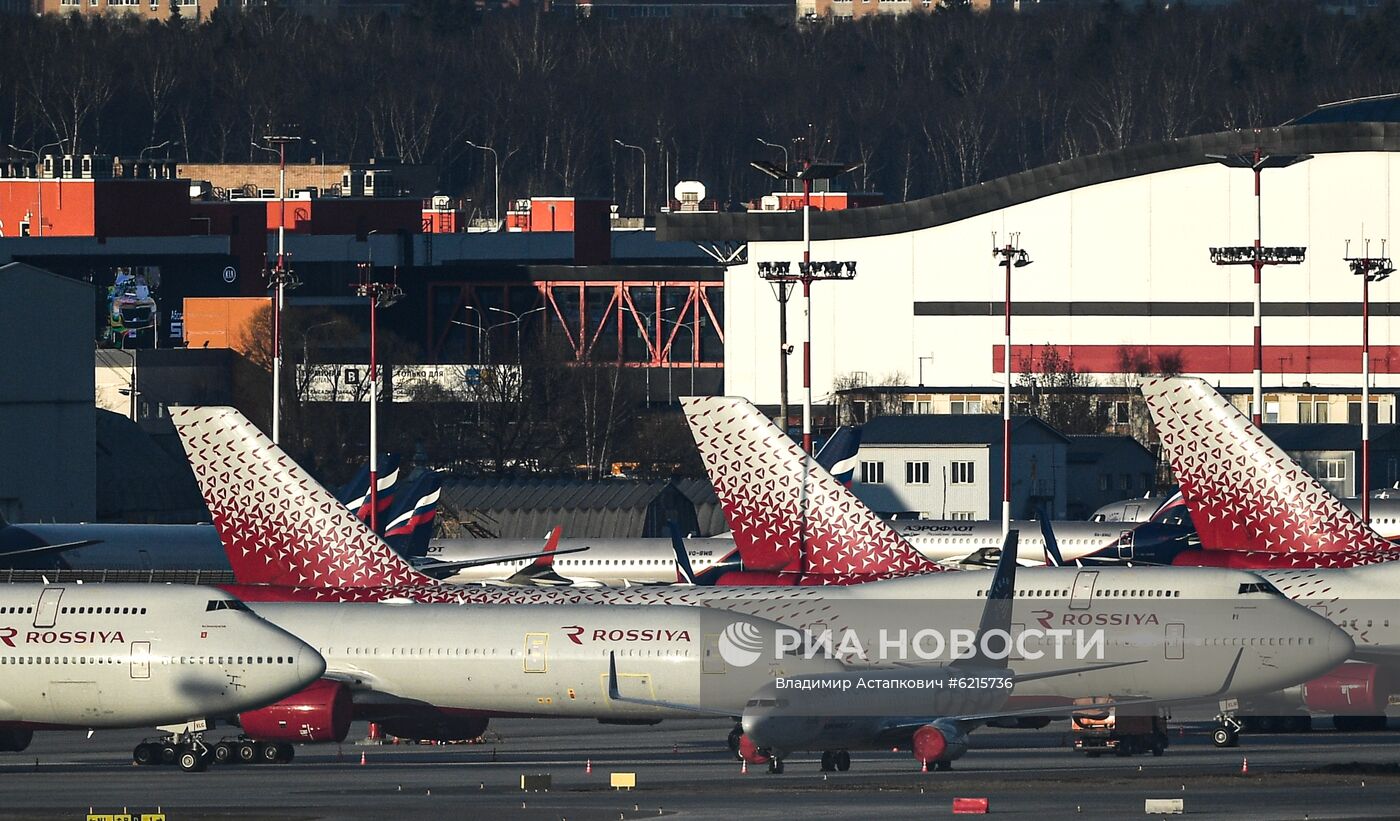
column 939, row 742
column 749, row 752
column 1354, row 688
column 319, row 713
column 436, row 726
column 14, row 741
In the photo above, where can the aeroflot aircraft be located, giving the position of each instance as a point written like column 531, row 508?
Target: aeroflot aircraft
column 138, row 655
column 1195, row 633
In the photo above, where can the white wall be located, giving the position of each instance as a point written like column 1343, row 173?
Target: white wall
column 1143, row 239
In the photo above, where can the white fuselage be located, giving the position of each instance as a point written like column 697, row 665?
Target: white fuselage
column 620, row 562
column 135, row 655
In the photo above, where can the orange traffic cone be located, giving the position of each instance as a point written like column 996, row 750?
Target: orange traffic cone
column 588, row 767
column 744, row 767
column 925, row 769
column 1244, row 767
column 362, row 759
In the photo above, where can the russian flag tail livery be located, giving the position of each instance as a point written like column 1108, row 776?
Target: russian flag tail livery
column 410, row 527
column 279, row 526
column 777, row 499
column 1243, row 491
column 838, row 454
column 355, row 494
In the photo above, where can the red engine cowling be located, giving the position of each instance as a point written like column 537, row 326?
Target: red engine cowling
column 1354, row 688
column 321, row 712
column 436, row 726
column 935, row 743
column 749, row 752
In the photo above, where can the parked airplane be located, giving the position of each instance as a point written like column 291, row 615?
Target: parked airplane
column 720, row 424
column 1240, row 636
column 929, row 708
column 100, row 656
column 1254, row 507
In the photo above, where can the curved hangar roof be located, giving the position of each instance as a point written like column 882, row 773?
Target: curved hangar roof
column 898, row 218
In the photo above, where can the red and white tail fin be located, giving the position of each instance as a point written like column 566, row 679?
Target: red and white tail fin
column 551, row 544
column 765, row 483
column 279, row 526
column 1243, row 491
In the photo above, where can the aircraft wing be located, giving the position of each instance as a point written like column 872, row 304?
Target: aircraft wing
column 43, row 549
column 615, row 693
column 443, row 570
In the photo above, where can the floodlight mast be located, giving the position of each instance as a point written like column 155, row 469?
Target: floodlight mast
column 279, row 277
column 380, row 295
column 1009, row 254
column 1257, row 161
column 1370, row 269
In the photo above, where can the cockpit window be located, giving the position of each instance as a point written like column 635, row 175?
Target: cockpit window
column 1259, row 587
column 226, row 604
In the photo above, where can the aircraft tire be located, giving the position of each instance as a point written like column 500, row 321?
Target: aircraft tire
column 775, row 765
column 843, row 760
column 225, row 753
column 942, row 766
column 192, row 760
column 145, row 755
column 248, row 752
column 1225, row 737
column 168, row 753
column 733, row 741
column 268, row 753
column 828, row 761
column 285, row 753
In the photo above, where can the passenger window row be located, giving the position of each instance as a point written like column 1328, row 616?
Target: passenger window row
column 16, row 610
column 87, row 611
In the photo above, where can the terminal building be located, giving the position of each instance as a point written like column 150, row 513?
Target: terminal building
column 1121, row 282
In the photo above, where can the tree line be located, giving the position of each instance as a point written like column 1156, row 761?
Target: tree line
column 926, row 103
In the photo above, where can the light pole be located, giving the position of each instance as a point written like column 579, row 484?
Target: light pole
column 644, row 175
column 516, row 322
column 279, row 277
column 380, row 295
column 809, row 271
column 1370, row 269
column 654, row 348
column 39, row 180
column 1258, row 256
column 1010, row 255
column 496, row 168
column 158, row 146
column 691, row 326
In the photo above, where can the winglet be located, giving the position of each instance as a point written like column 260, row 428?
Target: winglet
column 685, row 574
column 551, row 544
column 614, row 693
column 1053, row 557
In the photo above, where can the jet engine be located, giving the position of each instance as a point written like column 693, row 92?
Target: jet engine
column 749, row 752
column 321, row 712
column 1354, row 688
column 939, row 742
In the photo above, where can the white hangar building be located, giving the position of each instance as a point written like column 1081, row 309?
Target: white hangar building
column 1120, row 248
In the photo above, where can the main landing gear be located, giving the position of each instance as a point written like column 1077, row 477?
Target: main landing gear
column 184, row 746
column 248, row 751
column 1227, row 731
column 836, row 761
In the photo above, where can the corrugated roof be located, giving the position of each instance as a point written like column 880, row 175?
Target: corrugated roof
column 1294, row 437
column 610, row 508
column 1085, row 449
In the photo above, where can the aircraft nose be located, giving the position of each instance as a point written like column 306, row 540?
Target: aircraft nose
column 1340, row 646
column 311, row 665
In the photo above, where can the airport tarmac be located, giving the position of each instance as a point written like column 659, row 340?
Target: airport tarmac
column 683, row 771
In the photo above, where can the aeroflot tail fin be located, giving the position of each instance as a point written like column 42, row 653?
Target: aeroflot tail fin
column 279, row 526
column 1243, row 491
column 1053, row 558
column 777, row 499
column 355, row 495
column 838, row 456
column 685, row 574
column 413, row 516
column 994, row 632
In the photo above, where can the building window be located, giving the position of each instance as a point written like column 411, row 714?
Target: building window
column 1271, row 411
column 872, row 473
column 916, row 473
column 1103, row 481
column 1120, row 413
column 906, row 408
column 960, row 404
column 1125, row 482
column 963, row 473
column 961, row 515
column 923, row 406
column 1332, row 469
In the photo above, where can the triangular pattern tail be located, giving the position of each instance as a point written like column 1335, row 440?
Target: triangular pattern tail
column 279, row 526
column 765, row 483
column 1243, row 491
